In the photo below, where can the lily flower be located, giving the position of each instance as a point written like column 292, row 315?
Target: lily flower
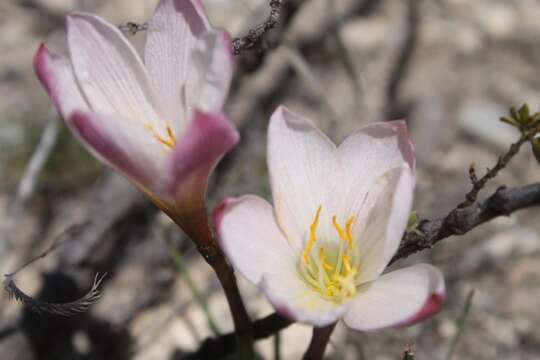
column 158, row 122
column 338, row 217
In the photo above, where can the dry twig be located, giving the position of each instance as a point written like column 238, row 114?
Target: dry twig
column 460, row 221
column 255, row 36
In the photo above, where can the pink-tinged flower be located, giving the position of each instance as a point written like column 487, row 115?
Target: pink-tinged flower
column 158, row 122
column 338, row 217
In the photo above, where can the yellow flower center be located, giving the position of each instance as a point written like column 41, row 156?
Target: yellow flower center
column 169, row 141
column 331, row 268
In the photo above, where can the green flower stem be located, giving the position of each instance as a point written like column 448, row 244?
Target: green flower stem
column 461, row 325
column 180, row 264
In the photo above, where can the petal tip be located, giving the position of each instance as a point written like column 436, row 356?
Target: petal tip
column 406, row 142
column 45, row 72
column 434, row 301
column 227, row 40
column 40, row 64
column 431, row 307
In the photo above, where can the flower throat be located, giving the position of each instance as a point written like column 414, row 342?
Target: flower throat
column 331, row 270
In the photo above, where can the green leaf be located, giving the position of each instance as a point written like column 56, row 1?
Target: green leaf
column 413, row 220
column 514, row 114
column 524, row 114
column 509, row 121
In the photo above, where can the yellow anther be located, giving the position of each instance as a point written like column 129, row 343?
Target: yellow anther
column 169, row 142
column 338, row 228
column 171, row 134
column 333, row 277
column 322, row 257
column 348, row 230
column 312, row 235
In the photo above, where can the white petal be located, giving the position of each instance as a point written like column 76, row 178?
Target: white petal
column 55, row 73
column 399, row 298
column 368, row 154
column 211, row 71
column 292, row 298
column 127, row 147
column 109, row 71
column 385, row 221
column 251, row 239
column 303, row 174
column 171, row 36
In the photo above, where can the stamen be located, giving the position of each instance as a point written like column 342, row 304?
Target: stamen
column 312, row 235
column 348, row 230
column 338, row 228
column 169, row 142
column 333, row 275
column 322, row 256
column 171, row 133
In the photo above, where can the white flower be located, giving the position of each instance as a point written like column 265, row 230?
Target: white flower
column 338, row 217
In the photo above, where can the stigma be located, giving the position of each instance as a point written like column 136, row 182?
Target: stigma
column 330, row 267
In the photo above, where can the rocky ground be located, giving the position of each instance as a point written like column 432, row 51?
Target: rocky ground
column 451, row 67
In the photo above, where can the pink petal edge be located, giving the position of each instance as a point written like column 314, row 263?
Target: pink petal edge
column 55, row 74
column 43, row 72
column 387, row 128
column 105, row 150
column 208, row 138
column 431, row 307
column 219, row 212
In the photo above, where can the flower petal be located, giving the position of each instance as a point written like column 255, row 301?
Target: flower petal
column 129, row 149
column 385, row 221
column 208, row 138
column 399, row 298
column 292, row 298
column 55, row 73
column 172, row 33
column 249, row 236
column 211, row 71
column 303, row 174
column 109, row 71
column 368, row 154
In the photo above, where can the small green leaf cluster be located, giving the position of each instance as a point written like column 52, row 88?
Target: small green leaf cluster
column 528, row 124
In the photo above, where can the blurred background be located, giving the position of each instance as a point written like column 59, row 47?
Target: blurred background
column 450, row 67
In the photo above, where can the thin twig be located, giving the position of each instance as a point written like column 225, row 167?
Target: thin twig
column 255, row 36
column 63, row 309
column 68, row 234
column 133, row 28
column 479, row 184
column 460, row 221
column 469, row 214
column 251, row 41
column 461, row 324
